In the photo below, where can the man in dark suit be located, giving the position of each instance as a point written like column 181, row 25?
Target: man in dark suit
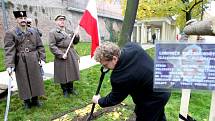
column 132, row 75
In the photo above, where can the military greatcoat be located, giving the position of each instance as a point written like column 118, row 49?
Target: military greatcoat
column 24, row 50
column 65, row 70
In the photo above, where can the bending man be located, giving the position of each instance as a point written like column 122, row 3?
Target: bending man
column 132, row 75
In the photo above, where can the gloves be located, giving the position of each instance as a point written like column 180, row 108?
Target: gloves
column 64, row 56
column 42, row 63
column 96, row 98
column 10, row 70
column 42, row 70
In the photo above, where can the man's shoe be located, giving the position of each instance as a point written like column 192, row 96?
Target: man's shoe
column 27, row 105
column 36, row 103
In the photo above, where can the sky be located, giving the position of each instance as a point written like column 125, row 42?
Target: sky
column 211, row 11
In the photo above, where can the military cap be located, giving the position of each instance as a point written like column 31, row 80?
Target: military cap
column 60, row 17
column 18, row 14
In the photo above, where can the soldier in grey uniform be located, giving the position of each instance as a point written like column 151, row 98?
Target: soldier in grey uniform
column 66, row 68
column 29, row 24
column 23, row 53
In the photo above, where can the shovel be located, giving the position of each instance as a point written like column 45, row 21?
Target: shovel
column 103, row 72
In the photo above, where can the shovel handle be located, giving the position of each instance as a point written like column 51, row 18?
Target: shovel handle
column 103, row 71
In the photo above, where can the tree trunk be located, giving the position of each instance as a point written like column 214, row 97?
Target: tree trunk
column 128, row 23
column 188, row 16
column 206, row 27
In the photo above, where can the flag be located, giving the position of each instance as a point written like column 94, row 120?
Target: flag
column 89, row 22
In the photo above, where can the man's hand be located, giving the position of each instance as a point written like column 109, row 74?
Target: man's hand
column 96, row 98
column 64, row 56
column 10, row 70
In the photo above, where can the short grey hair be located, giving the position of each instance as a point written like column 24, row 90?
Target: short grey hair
column 106, row 51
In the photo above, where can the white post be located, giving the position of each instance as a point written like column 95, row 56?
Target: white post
column 212, row 110
column 132, row 34
column 138, row 33
column 185, row 98
column 163, row 36
column 132, row 37
column 142, row 33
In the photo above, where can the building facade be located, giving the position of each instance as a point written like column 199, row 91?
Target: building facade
column 43, row 13
column 164, row 29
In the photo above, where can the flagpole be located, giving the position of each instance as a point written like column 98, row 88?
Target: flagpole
column 67, row 50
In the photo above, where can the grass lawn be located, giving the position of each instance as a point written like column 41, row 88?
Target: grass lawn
column 56, row 104
column 2, row 66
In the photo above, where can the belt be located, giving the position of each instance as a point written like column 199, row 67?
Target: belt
column 26, row 50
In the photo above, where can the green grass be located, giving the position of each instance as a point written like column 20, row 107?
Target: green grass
column 56, row 104
column 83, row 48
column 2, row 65
column 49, row 55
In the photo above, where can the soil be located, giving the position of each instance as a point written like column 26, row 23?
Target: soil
column 96, row 114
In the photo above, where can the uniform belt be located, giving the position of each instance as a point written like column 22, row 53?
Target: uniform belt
column 26, row 50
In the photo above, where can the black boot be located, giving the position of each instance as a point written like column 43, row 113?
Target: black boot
column 70, row 88
column 35, row 101
column 27, row 104
column 65, row 91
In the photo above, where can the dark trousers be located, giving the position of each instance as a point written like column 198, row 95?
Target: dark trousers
column 144, row 114
column 27, row 101
column 33, row 99
column 68, row 87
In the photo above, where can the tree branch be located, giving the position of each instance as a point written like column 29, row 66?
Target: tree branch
column 206, row 27
column 196, row 3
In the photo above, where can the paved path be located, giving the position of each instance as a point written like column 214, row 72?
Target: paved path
column 85, row 62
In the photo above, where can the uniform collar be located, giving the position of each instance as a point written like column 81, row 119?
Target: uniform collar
column 19, row 32
column 59, row 30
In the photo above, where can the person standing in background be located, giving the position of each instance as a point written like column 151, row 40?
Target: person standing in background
column 153, row 38
column 29, row 24
column 23, row 53
column 66, row 68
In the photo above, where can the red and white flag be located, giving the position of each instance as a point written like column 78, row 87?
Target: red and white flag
column 89, row 22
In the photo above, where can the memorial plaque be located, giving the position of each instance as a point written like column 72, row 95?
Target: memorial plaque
column 184, row 66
